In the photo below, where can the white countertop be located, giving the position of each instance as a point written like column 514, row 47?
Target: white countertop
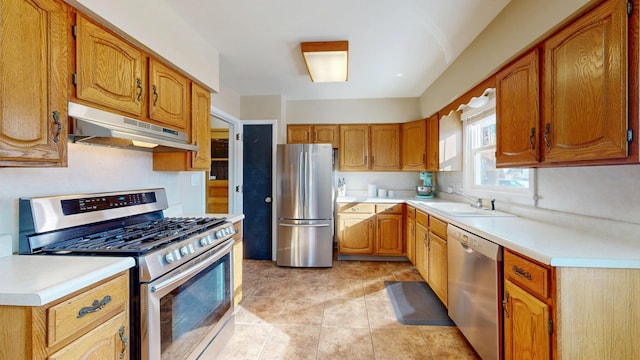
column 36, row 280
column 547, row 243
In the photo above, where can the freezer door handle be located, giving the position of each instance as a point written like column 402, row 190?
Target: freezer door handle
column 304, row 225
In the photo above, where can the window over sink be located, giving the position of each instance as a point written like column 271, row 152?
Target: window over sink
column 481, row 177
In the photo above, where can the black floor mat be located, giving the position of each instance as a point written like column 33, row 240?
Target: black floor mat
column 416, row 304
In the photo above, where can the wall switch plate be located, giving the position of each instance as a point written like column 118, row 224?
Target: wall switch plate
column 195, row 179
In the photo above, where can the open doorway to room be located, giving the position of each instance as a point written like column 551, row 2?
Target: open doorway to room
column 224, row 180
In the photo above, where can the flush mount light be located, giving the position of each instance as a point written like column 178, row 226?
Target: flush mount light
column 143, row 144
column 327, row 61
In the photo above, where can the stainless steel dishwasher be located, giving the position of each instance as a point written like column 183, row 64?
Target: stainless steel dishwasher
column 475, row 290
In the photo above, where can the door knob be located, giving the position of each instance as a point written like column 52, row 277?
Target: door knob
column 267, row 199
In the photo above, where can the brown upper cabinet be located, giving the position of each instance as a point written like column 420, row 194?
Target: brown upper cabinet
column 313, row 134
column 584, row 95
column 168, row 96
column 518, row 112
column 33, row 83
column 433, row 136
column 385, row 147
column 414, row 145
column 112, row 74
column 109, row 71
column 585, row 87
column 369, row 147
column 354, row 147
column 200, row 135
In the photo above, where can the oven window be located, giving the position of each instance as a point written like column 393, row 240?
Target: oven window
column 190, row 312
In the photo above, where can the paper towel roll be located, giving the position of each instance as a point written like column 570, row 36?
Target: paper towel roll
column 373, row 190
column 6, row 245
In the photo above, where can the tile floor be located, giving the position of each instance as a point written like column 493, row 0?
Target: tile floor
column 341, row 312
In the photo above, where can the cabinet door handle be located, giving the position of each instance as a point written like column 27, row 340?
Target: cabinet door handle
column 95, row 306
column 531, row 138
column 155, row 95
column 125, row 341
column 56, row 120
column 521, row 272
column 505, row 302
column 139, row 85
column 547, row 134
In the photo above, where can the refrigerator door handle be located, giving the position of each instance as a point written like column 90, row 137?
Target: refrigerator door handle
column 304, row 225
column 301, row 190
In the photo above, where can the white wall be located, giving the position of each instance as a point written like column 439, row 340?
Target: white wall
column 395, row 110
column 226, row 100
column 97, row 169
column 266, row 107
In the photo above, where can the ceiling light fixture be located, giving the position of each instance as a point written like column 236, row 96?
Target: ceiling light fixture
column 327, row 61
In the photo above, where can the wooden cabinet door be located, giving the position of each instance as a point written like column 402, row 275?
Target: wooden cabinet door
column 526, row 318
column 433, row 138
column 110, row 71
column 326, row 134
column 414, row 145
column 518, row 112
column 385, row 147
column 354, row 147
column 299, row 134
column 356, row 233
column 168, row 96
column 422, row 253
column 201, row 127
column 107, row 341
column 33, row 83
column 411, row 240
column 389, row 235
column 438, row 266
column 585, row 87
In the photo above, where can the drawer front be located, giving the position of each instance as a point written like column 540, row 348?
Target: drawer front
column 389, row 208
column 411, row 212
column 527, row 274
column 88, row 309
column 438, row 227
column 357, row 208
column 422, row 218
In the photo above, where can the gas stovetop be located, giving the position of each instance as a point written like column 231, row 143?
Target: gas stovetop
column 137, row 239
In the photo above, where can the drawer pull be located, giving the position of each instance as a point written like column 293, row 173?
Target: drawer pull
column 389, row 209
column 95, row 306
column 521, row 272
column 124, row 340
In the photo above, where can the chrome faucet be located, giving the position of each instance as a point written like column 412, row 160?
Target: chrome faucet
column 478, row 201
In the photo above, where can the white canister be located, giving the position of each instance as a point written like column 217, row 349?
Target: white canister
column 372, row 190
column 382, row 193
column 391, row 193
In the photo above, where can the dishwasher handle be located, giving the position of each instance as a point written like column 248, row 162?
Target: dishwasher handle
column 473, row 243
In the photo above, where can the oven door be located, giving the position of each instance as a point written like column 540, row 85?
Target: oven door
column 185, row 309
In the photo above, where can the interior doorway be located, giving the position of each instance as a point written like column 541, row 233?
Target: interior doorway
column 224, row 180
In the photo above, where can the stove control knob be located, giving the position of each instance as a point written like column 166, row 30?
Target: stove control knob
column 205, row 241
column 173, row 256
column 191, row 249
column 219, row 234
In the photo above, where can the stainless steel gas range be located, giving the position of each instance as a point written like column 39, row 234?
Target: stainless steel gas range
column 182, row 285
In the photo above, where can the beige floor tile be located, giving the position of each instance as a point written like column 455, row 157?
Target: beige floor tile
column 299, row 288
column 259, row 310
column 302, row 311
column 342, row 288
column 378, row 272
column 345, row 313
column 272, row 287
column 343, row 344
column 406, row 344
column 447, row 342
column 375, row 290
column 407, row 274
column 292, row 343
column 381, row 315
column 246, row 343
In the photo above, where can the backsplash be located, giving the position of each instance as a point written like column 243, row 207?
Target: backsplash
column 97, row 169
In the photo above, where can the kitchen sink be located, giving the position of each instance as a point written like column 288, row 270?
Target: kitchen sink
column 463, row 209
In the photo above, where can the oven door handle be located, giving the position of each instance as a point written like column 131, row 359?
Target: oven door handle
column 196, row 268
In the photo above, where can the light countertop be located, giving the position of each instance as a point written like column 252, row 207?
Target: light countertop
column 36, row 280
column 551, row 244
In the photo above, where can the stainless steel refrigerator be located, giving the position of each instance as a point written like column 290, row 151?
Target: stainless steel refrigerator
column 305, row 205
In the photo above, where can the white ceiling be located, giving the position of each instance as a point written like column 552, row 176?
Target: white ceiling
column 396, row 48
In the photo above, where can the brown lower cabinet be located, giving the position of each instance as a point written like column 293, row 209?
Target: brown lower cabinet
column 371, row 229
column 56, row 332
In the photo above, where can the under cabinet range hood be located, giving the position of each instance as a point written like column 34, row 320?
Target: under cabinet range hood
column 97, row 127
